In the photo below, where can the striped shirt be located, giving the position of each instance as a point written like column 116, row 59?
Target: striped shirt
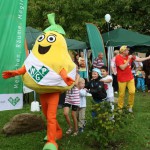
column 98, row 63
column 72, row 96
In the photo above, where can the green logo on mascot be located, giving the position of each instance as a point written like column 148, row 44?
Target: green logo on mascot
column 38, row 75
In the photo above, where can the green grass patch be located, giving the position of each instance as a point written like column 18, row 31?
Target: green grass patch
column 135, row 135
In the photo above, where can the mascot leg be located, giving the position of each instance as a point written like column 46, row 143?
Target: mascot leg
column 49, row 104
column 58, row 131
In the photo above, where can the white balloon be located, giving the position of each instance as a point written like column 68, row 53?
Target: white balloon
column 107, row 17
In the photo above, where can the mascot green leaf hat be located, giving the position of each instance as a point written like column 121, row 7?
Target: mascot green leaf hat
column 54, row 26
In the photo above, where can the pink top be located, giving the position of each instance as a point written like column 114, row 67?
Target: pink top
column 73, row 96
column 113, row 65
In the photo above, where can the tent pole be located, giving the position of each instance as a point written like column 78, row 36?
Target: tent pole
column 86, row 61
column 110, row 55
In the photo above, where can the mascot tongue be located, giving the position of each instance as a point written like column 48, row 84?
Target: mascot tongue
column 54, row 27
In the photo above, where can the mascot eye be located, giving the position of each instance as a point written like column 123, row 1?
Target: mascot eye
column 41, row 38
column 51, row 38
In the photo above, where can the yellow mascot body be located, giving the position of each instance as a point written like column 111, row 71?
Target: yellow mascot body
column 47, row 59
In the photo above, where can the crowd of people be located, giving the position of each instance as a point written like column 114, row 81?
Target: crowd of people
column 102, row 86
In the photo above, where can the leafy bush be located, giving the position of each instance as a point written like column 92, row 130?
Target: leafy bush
column 106, row 123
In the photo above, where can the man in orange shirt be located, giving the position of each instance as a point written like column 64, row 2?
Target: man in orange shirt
column 125, row 76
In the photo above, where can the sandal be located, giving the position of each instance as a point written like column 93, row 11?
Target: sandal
column 75, row 133
column 69, row 131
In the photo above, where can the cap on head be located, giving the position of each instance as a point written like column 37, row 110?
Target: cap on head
column 123, row 48
column 98, row 71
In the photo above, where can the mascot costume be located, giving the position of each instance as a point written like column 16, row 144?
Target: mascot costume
column 48, row 70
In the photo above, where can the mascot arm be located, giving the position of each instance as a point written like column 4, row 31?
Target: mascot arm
column 69, row 81
column 12, row 73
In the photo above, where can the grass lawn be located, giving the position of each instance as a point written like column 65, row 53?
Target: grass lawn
column 134, row 136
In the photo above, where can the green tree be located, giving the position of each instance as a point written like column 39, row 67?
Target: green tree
column 73, row 14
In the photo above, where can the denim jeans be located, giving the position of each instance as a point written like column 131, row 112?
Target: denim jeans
column 140, row 84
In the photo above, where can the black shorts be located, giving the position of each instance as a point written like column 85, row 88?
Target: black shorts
column 74, row 107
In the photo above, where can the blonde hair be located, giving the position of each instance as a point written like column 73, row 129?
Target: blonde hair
column 81, row 80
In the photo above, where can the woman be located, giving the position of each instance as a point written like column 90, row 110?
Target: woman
column 114, row 72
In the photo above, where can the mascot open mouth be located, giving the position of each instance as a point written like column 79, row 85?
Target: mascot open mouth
column 43, row 50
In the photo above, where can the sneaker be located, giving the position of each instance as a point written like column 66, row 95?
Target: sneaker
column 130, row 110
column 75, row 133
column 84, row 123
column 81, row 130
column 69, row 131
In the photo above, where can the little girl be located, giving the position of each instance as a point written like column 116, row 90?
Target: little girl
column 107, row 79
column 140, row 75
column 72, row 100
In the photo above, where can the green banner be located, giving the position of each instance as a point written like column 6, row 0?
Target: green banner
column 12, row 51
column 96, row 41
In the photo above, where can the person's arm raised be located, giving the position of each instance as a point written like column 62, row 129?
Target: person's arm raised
column 138, row 59
column 123, row 67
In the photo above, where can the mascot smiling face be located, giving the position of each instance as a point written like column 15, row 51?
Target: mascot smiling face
column 49, row 46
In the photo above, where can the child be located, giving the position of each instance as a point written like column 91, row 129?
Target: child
column 72, row 100
column 82, row 108
column 107, row 79
column 96, row 87
column 140, row 75
column 82, row 66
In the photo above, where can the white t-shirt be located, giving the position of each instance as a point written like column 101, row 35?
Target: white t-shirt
column 138, row 64
column 83, row 95
column 110, row 90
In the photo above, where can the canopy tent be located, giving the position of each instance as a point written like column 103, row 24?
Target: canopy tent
column 75, row 44
column 122, row 36
column 32, row 34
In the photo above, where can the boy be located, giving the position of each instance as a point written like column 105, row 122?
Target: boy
column 82, row 107
column 107, row 79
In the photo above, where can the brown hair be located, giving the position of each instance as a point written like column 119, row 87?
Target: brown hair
column 116, row 52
